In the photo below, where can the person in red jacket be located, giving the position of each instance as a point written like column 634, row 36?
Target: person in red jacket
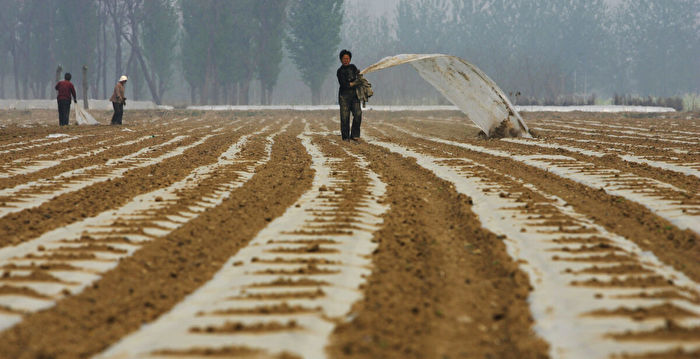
column 65, row 91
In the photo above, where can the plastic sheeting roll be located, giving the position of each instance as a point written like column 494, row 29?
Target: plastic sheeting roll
column 466, row 87
column 82, row 117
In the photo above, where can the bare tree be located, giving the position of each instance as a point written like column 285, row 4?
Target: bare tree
column 134, row 15
column 117, row 11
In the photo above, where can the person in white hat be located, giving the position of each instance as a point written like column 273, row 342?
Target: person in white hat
column 118, row 100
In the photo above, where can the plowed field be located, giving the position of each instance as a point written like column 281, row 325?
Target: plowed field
column 191, row 234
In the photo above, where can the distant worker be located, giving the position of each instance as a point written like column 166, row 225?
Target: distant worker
column 65, row 91
column 348, row 76
column 118, row 101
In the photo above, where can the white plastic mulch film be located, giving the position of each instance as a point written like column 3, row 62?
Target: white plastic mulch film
column 466, row 87
column 82, row 117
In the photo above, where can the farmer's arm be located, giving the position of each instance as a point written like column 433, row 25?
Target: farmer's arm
column 356, row 76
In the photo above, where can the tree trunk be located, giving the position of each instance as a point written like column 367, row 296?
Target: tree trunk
column 100, row 53
column 25, row 86
column 226, row 98
column 243, row 95
column 59, row 70
column 85, row 87
column 192, row 95
column 263, row 98
column 104, row 58
column 161, row 88
column 316, row 95
column 144, row 70
column 215, row 93
column 234, row 94
column 16, row 70
column 133, row 78
column 269, row 95
column 118, row 51
column 208, row 73
column 204, row 93
column 204, row 97
column 95, row 88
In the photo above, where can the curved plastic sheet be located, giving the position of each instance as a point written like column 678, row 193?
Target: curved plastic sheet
column 466, row 87
column 82, row 117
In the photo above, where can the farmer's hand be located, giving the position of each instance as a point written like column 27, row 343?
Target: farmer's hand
column 75, row 101
column 124, row 102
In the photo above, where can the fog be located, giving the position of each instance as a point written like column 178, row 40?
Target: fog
column 182, row 52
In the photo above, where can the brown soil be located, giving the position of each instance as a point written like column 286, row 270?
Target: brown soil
column 89, row 201
column 688, row 295
column 441, row 286
column 430, row 295
column 671, row 354
column 68, row 165
column 636, row 282
column 664, row 311
column 618, row 269
column 227, row 352
column 671, row 331
column 283, row 308
column 458, row 132
column 304, row 294
column 170, row 268
column 679, row 248
column 239, row 327
column 21, row 290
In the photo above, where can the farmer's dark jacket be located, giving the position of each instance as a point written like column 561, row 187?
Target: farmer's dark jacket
column 346, row 75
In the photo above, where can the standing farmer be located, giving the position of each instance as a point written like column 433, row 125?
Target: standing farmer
column 118, row 101
column 348, row 74
column 65, row 91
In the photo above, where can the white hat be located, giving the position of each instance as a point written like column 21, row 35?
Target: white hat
column 123, row 78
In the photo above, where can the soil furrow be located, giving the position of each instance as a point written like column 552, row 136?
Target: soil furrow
column 49, row 164
column 517, row 211
column 674, row 164
column 50, row 169
column 108, row 193
column 442, row 286
column 142, row 152
column 156, row 214
column 214, row 228
column 680, row 207
column 626, row 218
column 632, row 165
column 226, row 310
column 85, row 138
column 159, row 275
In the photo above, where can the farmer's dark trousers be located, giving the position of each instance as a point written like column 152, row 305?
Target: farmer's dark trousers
column 118, row 112
column 63, row 112
column 350, row 104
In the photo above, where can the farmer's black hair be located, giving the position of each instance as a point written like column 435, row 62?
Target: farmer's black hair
column 67, row 76
column 343, row 53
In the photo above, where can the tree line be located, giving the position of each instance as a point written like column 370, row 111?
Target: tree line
column 544, row 49
column 216, row 51
column 217, row 47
